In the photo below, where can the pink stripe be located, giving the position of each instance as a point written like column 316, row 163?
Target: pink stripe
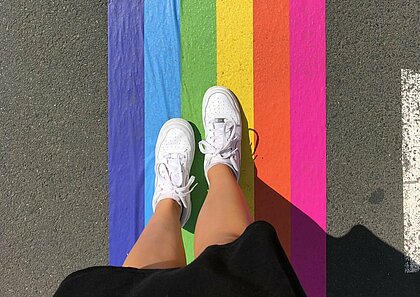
column 308, row 143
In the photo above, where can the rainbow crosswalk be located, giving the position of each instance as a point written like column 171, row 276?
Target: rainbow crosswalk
column 163, row 55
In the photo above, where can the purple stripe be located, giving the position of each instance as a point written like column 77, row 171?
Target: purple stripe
column 125, row 126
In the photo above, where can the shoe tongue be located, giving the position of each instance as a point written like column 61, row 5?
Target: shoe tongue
column 175, row 175
column 219, row 124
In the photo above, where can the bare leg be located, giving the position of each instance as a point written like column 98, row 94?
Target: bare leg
column 160, row 244
column 225, row 213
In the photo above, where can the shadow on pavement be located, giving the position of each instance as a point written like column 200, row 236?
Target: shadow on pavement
column 361, row 263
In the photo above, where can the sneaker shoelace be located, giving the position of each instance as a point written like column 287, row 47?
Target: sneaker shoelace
column 220, row 141
column 170, row 173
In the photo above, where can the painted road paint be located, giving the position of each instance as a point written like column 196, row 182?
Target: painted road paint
column 272, row 116
column 234, row 19
column 125, row 127
column 288, row 91
column 162, row 80
column 308, row 141
column 198, row 73
column 410, row 96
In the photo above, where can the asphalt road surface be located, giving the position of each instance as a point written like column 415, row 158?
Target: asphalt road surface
column 53, row 142
column 368, row 43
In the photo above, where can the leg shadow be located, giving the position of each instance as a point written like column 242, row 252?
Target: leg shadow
column 200, row 192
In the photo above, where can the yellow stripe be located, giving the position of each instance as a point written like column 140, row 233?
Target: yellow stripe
column 234, row 23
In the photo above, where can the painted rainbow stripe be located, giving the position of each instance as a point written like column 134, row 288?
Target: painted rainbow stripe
column 308, row 141
column 272, row 55
column 125, row 126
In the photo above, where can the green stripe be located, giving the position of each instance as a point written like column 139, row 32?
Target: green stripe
column 198, row 73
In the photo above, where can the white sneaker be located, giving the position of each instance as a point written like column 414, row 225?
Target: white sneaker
column 174, row 155
column 222, row 124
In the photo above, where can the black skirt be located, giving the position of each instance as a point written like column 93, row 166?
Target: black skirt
column 253, row 265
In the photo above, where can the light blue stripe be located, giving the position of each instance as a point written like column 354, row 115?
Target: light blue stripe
column 162, row 80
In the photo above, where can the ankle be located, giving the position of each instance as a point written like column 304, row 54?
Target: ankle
column 168, row 206
column 220, row 172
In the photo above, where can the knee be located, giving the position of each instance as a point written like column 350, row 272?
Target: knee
column 200, row 244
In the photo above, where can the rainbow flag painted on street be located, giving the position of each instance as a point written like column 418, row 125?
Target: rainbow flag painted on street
column 163, row 55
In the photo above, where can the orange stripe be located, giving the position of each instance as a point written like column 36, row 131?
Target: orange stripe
column 272, row 115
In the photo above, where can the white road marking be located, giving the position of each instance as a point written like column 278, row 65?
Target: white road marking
column 410, row 96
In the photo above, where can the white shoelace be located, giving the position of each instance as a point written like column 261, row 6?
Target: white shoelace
column 168, row 172
column 217, row 138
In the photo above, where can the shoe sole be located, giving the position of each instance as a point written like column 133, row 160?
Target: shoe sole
column 171, row 124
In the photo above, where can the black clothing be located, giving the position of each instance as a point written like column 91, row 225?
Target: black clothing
column 252, row 265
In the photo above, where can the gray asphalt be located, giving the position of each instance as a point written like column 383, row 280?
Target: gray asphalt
column 368, row 44
column 53, row 142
